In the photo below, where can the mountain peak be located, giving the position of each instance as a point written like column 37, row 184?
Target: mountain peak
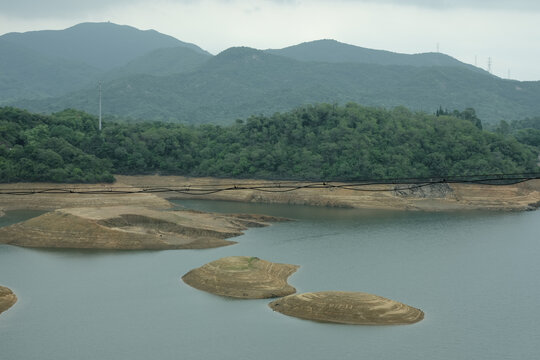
column 103, row 45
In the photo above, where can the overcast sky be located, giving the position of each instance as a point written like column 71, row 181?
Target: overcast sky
column 469, row 30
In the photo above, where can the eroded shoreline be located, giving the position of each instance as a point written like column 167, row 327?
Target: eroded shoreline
column 440, row 197
column 120, row 216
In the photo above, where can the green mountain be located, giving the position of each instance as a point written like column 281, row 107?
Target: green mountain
column 101, row 45
column 162, row 62
column 336, row 52
column 241, row 81
column 25, row 73
column 42, row 64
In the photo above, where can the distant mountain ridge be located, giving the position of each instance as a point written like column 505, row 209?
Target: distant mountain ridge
column 332, row 51
column 41, row 64
column 148, row 75
column 101, row 45
column 240, row 82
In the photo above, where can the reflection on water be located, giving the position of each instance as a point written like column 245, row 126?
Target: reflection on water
column 474, row 274
column 15, row 216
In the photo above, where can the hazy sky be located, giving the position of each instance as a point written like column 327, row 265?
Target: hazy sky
column 469, row 30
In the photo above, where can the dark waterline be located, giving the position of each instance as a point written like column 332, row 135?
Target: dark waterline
column 474, row 274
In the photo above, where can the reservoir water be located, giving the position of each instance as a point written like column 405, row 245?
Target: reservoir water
column 476, row 275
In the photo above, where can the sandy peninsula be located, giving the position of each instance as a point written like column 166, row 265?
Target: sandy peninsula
column 7, row 299
column 243, row 277
column 129, row 227
column 347, row 308
column 134, row 212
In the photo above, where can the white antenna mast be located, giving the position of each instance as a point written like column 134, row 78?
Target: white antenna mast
column 100, row 106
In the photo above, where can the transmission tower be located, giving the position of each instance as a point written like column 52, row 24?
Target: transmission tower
column 100, row 106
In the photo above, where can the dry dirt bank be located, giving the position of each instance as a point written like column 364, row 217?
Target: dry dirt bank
column 51, row 201
column 524, row 196
column 127, row 227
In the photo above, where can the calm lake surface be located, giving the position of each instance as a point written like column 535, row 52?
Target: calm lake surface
column 476, row 276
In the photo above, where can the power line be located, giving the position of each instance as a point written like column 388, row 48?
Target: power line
column 287, row 186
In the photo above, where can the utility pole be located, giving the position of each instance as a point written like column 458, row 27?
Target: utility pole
column 100, row 106
column 489, row 64
column 437, row 47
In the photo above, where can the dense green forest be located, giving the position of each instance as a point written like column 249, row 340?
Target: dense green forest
column 318, row 142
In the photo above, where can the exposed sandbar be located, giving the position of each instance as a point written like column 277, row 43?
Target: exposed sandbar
column 243, row 277
column 347, row 308
column 7, row 299
column 127, row 227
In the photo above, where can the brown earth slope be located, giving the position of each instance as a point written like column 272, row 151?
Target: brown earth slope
column 7, row 299
column 128, row 227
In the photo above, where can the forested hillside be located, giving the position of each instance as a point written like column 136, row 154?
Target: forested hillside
column 50, row 63
column 151, row 76
column 321, row 142
column 25, row 73
column 100, row 45
column 333, row 51
column 526, row 131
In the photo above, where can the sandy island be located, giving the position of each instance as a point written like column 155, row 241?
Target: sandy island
column 242, row 277
column 355, row 308
column 7, row 299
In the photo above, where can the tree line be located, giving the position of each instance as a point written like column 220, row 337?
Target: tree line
column 315, row 142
